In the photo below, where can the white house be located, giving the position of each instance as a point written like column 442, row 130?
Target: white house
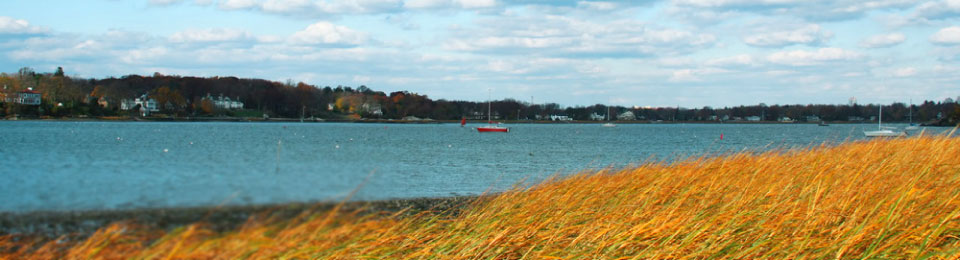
column 222, row 102
column 28, row 97
column 560, row 118
column 596, row 117
column 147, row 105
column 25, row 97
column 627, row 116
column 373, row 109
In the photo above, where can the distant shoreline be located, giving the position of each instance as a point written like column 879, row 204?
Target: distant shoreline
column 397, row 121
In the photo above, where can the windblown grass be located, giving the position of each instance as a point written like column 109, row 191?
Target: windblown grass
column 889, row 199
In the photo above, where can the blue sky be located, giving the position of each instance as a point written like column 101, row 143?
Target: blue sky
column 691, row 53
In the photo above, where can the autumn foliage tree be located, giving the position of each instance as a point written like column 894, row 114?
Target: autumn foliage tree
column 169, row 99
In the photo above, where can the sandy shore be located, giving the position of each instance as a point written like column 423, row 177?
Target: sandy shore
column 52, row 224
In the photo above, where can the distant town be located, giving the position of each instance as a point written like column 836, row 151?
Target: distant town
column 28, row 94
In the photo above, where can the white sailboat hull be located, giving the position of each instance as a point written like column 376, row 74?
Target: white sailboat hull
column 884, row 133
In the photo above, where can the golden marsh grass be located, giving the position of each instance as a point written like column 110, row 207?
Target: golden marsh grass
column 884, row 199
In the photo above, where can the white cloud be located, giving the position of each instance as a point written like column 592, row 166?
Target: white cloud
column 938, row 9
column 469, row 4
column 883, row 40
column 565, row 36
column 806, row 9
column 359, row 6
column 905, row 72
column 143, row 56
column 210, row 35
column 947, row 36
column 283, row 6
column 736, row 3
column 164, row 2
column 238, row 4
column 693, row 75
column 810, row 34
column 670, row 61
column 739, row 60
column 9, row 25
column 326, row 33
column 597, row 5
column 361, row 79
column 312, row 8
column 807, row 58
column 434, row 4
column 426, row 4
column 701, row 16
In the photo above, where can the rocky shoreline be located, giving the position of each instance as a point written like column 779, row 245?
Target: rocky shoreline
column 53, row 224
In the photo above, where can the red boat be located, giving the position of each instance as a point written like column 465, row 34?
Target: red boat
column 490, row 127
column 493, row 128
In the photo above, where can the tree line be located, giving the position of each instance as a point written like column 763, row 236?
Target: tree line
column 64, row 96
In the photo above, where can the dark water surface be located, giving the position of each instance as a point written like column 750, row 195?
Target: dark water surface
column 122, row 165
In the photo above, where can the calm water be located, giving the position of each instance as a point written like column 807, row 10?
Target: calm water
column 118, row 165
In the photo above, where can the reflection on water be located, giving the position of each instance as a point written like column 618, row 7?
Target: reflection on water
column 109, row 165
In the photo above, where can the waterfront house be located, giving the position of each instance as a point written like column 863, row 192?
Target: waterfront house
column 147, row 104
column 627, row 116
column 753, row 118
column 29, row 97
column 373, row 109
column 560, row 118
column 25, row 97
column 596, row 117
column 223, row 102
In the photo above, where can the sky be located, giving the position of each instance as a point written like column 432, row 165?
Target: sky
column 689, row 53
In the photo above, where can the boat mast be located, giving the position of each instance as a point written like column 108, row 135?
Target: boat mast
column 489, row 113
column 911, row 112
column 880, row 119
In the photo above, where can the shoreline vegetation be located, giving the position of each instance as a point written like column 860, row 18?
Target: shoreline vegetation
column 883, row 198
column 31, row 94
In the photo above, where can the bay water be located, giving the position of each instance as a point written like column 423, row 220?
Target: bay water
column 65, row 165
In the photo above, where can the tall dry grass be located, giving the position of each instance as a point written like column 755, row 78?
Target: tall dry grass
column 885, row 199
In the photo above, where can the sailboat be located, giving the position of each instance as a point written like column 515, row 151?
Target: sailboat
column 883, row 131
column 608, row 124
column 490, row 127
column 913, row 126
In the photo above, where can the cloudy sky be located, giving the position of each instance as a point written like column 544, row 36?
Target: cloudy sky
column 646, row 52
